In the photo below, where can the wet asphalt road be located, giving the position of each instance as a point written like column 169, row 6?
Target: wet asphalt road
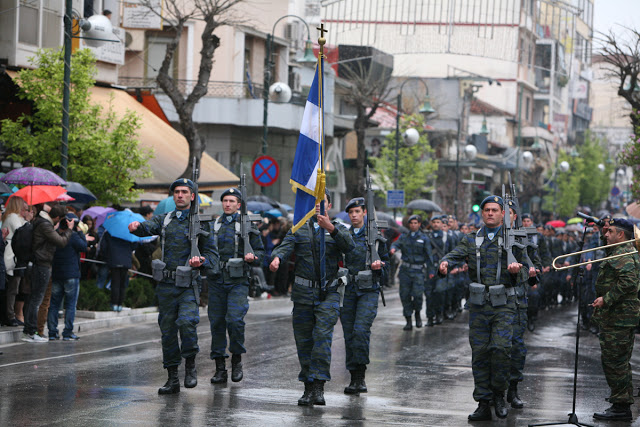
column 422, row 377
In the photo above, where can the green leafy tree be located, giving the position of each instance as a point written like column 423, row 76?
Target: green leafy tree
column 565, row 191
column 630, row 156
column 104, row 154
column 416, row 167
column 594, row 183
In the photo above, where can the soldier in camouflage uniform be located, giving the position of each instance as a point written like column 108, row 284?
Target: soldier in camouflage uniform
column 177, row 307
column 617, row 311
column 228, row 293
column 526, row 277
column 416, row 252
column 492, row 307
column 360, row 305
column 315, row 312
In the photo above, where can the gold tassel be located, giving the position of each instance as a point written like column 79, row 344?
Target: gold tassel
column 321, row 184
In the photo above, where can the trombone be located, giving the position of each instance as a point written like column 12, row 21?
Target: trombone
column 635, row 240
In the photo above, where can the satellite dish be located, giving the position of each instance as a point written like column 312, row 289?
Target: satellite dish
column 97, row 27
column 280, row 92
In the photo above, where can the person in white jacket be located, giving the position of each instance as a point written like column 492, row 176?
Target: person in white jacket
column 15, row 215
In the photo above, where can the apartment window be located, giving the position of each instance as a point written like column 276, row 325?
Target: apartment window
column 156, row 48
column 29, row 26
column 51, row 18
column 527, row 108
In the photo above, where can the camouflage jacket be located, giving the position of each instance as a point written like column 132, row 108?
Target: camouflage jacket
column 489, row 259
column 617, row 283
column 299, row 243
column 356, row 259
column 227, row 248
column 177, row 247
column 415, row 249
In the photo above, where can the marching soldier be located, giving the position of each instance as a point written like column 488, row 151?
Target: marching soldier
column 617, row 311
column 416, row 252
column 361, row 297
column 436, row 286
column 492, row 307
column 228, row 293
column 177, row 306
column 315, row 312
column 535, row 295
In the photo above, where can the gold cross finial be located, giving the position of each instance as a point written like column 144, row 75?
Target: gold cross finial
column 322, row 40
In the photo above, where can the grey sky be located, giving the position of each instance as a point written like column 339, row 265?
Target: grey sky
column 608, row 13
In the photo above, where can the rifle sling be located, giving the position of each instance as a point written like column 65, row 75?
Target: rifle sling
column 312, row 237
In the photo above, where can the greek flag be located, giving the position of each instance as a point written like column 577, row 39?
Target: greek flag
column 308, row 160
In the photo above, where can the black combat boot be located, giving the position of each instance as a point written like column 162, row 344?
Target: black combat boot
column 190, row 373
column 430, row 321
column 221, row 372
column 418, row 320
column 361, row 385
column 408, row 326
column 236, row 368
column 618, row 411
column 499, row 405
column 352, row 388
column 305, row 400
column 172, row 385
column 317, row 398
column 439, row 318
column 482, row 412
column 512, row 396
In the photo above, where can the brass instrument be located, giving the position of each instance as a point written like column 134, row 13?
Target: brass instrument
column 635, row 240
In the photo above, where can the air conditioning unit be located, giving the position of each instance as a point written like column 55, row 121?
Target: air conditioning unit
column 134, row 40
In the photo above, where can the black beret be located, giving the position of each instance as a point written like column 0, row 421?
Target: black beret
column 492, row 199
column 232, row 192
column 436, row 218
column 183, row 182
column 526, row 215
column 416, row 217
column 355, row 203
column 623, row 224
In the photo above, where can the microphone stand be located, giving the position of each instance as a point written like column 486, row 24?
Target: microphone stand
column 573, row 417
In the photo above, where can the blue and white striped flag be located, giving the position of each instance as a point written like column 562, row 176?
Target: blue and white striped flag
column 307, row 161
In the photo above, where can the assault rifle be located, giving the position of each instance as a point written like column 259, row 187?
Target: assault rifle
column 373, row 231
column 246, row 219
column 195, row 228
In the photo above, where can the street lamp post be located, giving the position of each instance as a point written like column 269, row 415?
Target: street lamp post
column 268, row 64
column 64, row 148
column 425, row 109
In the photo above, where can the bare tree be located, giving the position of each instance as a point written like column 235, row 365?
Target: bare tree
column 176, row 13
column 623, row 57
column 368, row 90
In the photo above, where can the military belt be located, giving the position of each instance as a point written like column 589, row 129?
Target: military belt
column 413, row 266
column 312, row 283
column 169, row 274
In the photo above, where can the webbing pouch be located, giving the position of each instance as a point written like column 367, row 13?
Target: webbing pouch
column 157, row 267
column 364, row 279
column 498, row 295
column 520, row 291
column 235, row 268
column 476, row 293
column 183, row 276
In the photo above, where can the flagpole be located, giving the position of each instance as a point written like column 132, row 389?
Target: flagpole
column 321, row 175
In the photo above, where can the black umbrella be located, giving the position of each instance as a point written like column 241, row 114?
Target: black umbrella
column 423, row 205
column 4, row 188
column 79, row 192
column 264, row 199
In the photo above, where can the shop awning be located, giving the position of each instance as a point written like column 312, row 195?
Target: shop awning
column 171, row 150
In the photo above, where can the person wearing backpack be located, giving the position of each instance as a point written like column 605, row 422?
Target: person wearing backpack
column 45, row 240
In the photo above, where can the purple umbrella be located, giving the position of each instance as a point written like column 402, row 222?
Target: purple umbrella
column 98, row 213
column 32, row 176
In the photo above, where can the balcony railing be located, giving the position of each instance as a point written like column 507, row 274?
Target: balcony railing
column 215, row 89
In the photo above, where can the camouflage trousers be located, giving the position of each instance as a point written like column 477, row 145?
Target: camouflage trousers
column 490, row 337
column 616, row 345
column 518, row 348
column 313, row 330
column 228, row 304
column 358, row 312
column 411, row 289
column 178, row 312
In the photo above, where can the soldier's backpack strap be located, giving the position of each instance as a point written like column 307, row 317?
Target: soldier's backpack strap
column 479, row 241
column 165, row 223
column 216, row 229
